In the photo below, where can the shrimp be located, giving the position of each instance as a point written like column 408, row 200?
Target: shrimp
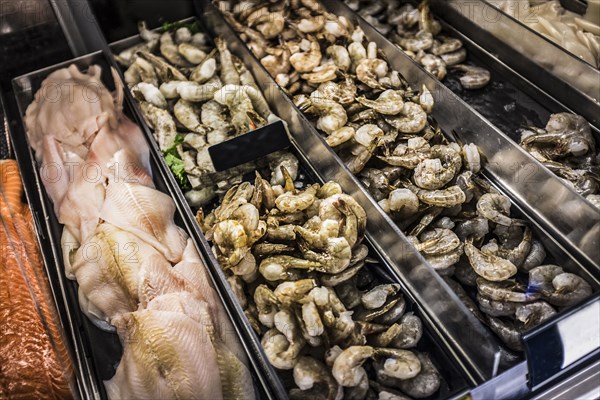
column 456, row 57
column 276, row 268
column 277, row 61
column 332, row 115
column 292, row 292
column 412, row 119
column 389, row 102
column 308, row 372
column 205, row 71
column 150, row 93
column 321, row 74
column 438, row 241
column 357, row 54
column 399, row 363
column 187, row 114
column 340, row 136
column 333, row 259
column 536, row 256
column 191, row 53
column 146, row 34
column 489, row 266
column 141, row 71
column 369, row 70
column 445, row 44
column 183, row 35
column 569, row 289
column 292, row 202
column 474, row 77
column 421, row 41
column 377, row 296
column 169, row 50
column 231, row 239
column 347, row 367
column 439, row 170
column 229, row 75
column 270, row 25
column 410, row 333
column 192, row 91
column 434, row 65
column 308, row 60
column 340, row 56
column 425, row 383
column 163, row 124
column 517, row 254
column 311, row 25
column 495, row 207
column 448, row 197
column 505, row 291
column 509, row 331
column 472, row 158
column 282, row 353
column 534, row 314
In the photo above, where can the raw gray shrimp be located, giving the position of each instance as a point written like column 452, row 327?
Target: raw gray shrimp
column 425, row 383
column 246, row 268
column 191, row 53
column 340, row 56
column 311, row 25
column 357, row 53
column 169, row 89
column 308, row 60
column 292, row 292
column 347, row 367
column 389, row 102
column 312, row 319
column 237, row 286
column 470, row 153
column 334, row 280
column 277, row 61
column 183, row 35
column 534, row 314
column 377, row 296
column 150, row 93
column 517, row 254
column 281, row 353
column 509, row 331
column 321, row 74
column 145, row 33
column 495, row 207
column 332, row 115
column 421, row 41
column 316, row 232
column 187, row 114
column 426, row 99
column 456, row 57
column 569, row 289
column 389, row 314
column 293, row 202
column 333, row 259
column 438, row 241
column 277, row 267
column 205, row 71
column 163, row 124
column 489, row 266
column 444, row 263
column 169, row 50
column 140, row 71
column 340, row 136
column 369, row 70
column 496, row 308
column 448, row 197
column 229, row 74
column 412, row 119
column 280, row 161
column 426, row 20
column 308, row 372
column 474, row 77
column 536, row 256
column 540, row 277
column 231, row 240
column 505, row 291
column 399, row 363
column 270, row 25
column 441, row 168
column 434, row 65
column 192, row 91
column 445, row 44
column 376, row 183
column 410, row 333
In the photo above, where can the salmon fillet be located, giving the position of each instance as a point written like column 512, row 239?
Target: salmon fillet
column 34, row 361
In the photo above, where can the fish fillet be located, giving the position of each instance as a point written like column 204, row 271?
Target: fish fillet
column 108, row 268
column 34, row 361
column 147, row 213
column 167, row 355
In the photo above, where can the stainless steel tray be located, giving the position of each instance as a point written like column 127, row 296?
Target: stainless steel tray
column 565, row 76
column 97, row 352
column 479, row 349
column 454, row 375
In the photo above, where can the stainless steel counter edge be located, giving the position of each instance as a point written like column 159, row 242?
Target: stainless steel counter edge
column 565, row 76
column 472, row 342
column 557, row 207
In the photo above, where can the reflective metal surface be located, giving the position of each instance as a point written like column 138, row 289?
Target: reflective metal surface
column 565, row 76
column 559, row 209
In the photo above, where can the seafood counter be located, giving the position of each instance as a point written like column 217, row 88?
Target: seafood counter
column 388, row 252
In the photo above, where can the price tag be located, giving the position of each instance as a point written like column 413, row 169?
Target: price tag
column 557, row 345
column 250, row 146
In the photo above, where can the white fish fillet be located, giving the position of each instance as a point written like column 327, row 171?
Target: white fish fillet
column 167, row 355
column 235, row 376
column 108, row 268
column 147, row 213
